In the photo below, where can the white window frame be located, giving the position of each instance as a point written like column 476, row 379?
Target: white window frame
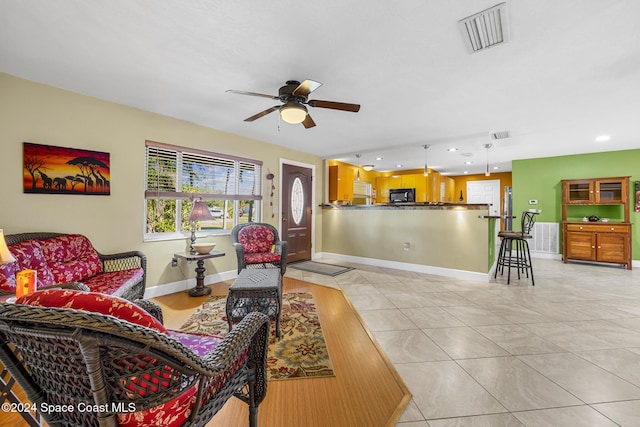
column 173, row 190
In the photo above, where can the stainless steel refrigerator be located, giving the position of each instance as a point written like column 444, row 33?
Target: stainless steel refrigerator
column 507, row 204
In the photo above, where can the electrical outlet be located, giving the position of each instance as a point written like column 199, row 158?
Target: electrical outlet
column 174, row 262
column 406, row 246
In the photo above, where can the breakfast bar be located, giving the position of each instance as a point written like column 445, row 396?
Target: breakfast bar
column 448, row 239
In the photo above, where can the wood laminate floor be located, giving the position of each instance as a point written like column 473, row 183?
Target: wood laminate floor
column 365, row 392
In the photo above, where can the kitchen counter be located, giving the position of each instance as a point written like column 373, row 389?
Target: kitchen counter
column 449, row 239
column 410, row 205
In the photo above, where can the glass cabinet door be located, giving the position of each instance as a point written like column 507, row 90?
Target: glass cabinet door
column 610, row 191
column 579, row 192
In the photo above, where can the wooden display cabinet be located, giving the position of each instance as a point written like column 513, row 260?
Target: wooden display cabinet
column 596, row 191
column 598, row 241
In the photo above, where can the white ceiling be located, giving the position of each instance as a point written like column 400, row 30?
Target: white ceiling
column 570, row 72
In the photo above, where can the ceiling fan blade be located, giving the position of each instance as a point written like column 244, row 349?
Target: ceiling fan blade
column 306, row 87
column 262, row 113
column 343, row 106
column 242, row 92
column 308, row 122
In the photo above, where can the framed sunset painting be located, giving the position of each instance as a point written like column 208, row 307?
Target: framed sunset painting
column 59, row 170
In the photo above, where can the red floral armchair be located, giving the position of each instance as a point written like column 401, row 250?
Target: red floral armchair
column 258, row 245
column 113, row 364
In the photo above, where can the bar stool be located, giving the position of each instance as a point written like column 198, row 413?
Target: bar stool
column 516, row 241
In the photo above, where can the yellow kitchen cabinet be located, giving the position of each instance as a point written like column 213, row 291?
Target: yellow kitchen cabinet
column 341, row 177
column 382, row 189
column 449, row 189
column 408, row 181
column 433, row 187
column 421, row 188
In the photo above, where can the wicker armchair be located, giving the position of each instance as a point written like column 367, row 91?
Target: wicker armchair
column 253, row 243
column 103, row 367
column 110, row 263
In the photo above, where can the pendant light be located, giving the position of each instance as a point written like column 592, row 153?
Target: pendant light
column 358, row 174
column 487, row 172
column 426, row 168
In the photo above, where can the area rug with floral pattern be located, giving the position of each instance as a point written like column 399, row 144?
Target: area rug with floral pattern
column 301, row 350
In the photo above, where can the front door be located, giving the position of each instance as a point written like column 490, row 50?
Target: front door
column 296, row 211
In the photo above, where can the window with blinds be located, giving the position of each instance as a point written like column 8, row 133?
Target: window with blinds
column 176, row 176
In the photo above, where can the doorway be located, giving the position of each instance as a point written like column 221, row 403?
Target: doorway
column 297, row 187
column 486, row 191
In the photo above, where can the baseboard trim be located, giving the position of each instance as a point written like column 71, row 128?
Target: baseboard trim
column 418, row 268
column 546, row 255
column 183, row 285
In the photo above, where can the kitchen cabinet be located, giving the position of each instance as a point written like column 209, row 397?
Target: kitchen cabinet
column 341, row 178
column 421, row 188
column 408, row 181
column 382, row 189
column 597, row 241
column 333, row 183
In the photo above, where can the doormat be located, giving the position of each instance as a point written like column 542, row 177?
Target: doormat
column 300, row 352
column 320, row 268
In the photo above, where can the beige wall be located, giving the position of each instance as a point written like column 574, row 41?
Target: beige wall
column 454, row 239
column 32, row 112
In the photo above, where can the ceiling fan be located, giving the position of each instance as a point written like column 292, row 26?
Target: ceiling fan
column 294, row 95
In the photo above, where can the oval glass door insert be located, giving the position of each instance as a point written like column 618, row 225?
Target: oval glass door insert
column 297, row 200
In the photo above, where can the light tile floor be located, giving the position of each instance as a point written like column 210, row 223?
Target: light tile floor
column 565, row 352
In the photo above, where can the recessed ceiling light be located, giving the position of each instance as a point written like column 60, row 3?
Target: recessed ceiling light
column 378, row 158
column 467, row 163
column 466, row 172
column 603, row 138
column 495, row 168
column 452, row 149
column 398, row 165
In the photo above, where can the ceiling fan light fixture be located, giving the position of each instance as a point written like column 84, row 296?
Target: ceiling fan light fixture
column 293, row 112
column 368, row 167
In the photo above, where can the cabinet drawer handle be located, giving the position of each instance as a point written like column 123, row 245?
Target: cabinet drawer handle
column 593, row 247
column 612, row 228
column 580, row 227
column 599, row 247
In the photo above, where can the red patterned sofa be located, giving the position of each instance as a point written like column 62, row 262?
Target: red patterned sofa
column 62, row 258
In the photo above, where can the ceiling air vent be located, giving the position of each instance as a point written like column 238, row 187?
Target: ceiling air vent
column 485, row 29
column 500, row 135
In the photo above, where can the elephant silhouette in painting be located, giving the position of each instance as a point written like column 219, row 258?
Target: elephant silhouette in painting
column 60, row 183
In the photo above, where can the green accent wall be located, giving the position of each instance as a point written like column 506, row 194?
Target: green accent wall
column 540, row 179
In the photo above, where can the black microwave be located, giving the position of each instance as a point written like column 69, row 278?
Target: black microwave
column 402, row 195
